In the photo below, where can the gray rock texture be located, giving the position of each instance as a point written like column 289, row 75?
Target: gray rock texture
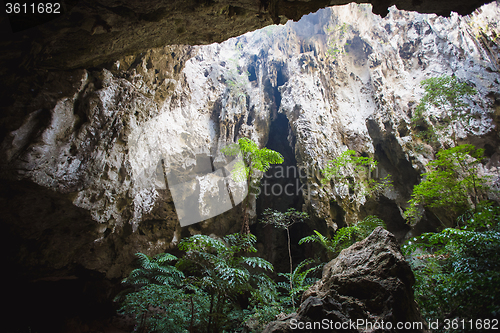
column 370, row 282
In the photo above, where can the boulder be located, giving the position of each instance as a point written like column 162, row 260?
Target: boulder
column 367, row 288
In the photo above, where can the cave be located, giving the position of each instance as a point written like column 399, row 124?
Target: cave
column 99, row 100
column 281, row 189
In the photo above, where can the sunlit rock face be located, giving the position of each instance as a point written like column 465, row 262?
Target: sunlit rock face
column 344, row 79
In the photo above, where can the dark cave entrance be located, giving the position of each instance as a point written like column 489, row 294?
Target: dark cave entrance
column 280, row 187
column 280, row 190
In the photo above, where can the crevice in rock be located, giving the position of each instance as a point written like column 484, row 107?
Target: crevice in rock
column 281, row 189
column 391, row 160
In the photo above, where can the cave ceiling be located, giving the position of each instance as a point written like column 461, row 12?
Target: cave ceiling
column 89, row 33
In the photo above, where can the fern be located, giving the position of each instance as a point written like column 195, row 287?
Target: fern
column 155, row 270
column 254, row 158
column 346, row 236
column 224, row 271
column 257, row 262
column 300, row 280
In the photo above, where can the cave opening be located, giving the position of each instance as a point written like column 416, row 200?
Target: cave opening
column 280, row 190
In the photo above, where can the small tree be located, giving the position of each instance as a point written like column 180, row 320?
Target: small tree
column 448, row 95
column 354, row 173
column 285, row 221
column 453, row 182
column 254, row 160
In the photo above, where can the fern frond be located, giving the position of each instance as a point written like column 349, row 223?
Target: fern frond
column 258, row 262
column 164, row 258
column 144, row 260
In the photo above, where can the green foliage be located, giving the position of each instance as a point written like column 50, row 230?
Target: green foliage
column 162, row 299
column 155, row 270
column 299, row 281
column 236, row 78
column 452, row 180
column 336, row 43
column 199, row 293
column 254, row 159
column 221, row 264
column 457, row 270
column 259, row 316
column 449, row 96
column 283, row 220
column 224, row 272
column 346, row 236
column 354, row 173
column 166, row 308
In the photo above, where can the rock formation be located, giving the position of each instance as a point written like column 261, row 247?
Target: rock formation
column 87, row 33
column 367, row 287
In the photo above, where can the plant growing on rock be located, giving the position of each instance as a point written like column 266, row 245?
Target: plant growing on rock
column 353, row 173
column 452, row 183
column 335, row 37
column 236, row 79
column 448, row 96
column 254, row 161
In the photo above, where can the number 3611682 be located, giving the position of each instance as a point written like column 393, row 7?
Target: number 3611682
column 33, row 8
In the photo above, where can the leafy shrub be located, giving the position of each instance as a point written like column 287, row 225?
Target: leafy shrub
column 201, row 292
column 354, row 173
column 165, row 308
column 162, row 299
column 224, row 272
column 453, row 179
column 457, row 270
